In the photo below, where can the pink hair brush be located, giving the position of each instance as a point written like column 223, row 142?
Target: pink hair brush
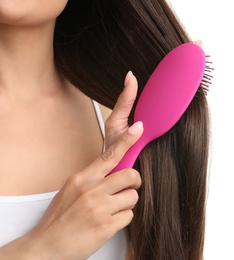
column 167, row 94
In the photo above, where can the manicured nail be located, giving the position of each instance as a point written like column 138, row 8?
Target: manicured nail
column 135, row 128
column 127, row 78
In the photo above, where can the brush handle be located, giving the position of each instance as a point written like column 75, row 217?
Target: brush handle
column 131, row 155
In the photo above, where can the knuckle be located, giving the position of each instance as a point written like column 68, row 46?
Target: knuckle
column 108, row 154
column 74, row 181
column 133, row 177
column 106, row 230
column 130, row 216
column 133, row 196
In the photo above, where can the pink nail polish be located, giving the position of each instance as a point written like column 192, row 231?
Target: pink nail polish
column 127, row 78
column 135, row 128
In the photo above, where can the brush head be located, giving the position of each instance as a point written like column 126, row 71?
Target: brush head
column 169, row 90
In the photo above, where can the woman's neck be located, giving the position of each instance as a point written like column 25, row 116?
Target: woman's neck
column 27, row 60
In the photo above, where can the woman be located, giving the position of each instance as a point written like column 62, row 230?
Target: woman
column 56, row 57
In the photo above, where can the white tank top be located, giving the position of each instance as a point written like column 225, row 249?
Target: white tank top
column 19, row 214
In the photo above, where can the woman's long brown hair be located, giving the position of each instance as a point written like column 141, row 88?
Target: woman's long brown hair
column 96, row 43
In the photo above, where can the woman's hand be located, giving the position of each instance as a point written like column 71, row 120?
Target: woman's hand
column 117, row 123
column 88, row 210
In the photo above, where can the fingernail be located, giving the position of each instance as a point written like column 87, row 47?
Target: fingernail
column 135, row 128
column 198, row 42
column 127, row 78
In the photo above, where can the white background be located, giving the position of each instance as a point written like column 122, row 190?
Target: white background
column 213, row 23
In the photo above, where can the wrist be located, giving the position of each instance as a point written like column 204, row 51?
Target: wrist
column 34, row 247
column 26, row 247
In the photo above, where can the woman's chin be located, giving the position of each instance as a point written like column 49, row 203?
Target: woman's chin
column 30, row 12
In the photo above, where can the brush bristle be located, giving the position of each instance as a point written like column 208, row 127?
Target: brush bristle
column 207, row 77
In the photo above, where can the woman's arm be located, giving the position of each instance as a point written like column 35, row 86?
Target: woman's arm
column 89, row 209
column 86, row 212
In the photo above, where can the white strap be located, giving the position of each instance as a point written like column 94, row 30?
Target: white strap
column 99, row 117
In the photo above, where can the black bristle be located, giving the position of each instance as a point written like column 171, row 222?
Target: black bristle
column 206, row 80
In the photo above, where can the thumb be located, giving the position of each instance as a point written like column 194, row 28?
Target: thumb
column 118, row 120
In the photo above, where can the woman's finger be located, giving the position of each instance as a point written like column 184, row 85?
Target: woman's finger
column 119, row 116
column 113, row 155
column 123, row 200
column 124, row 179
column 198, row 42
